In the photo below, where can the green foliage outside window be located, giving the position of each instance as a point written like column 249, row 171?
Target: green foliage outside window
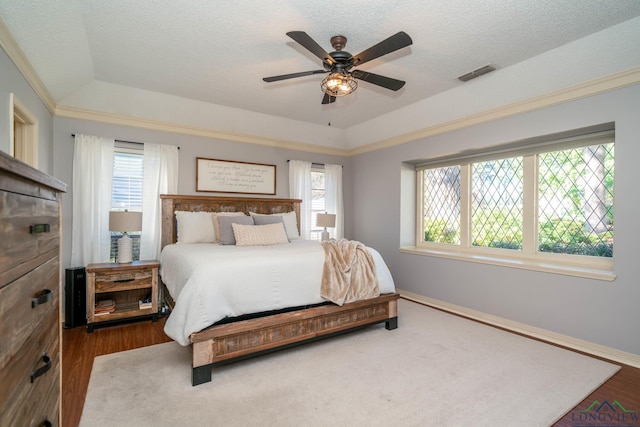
column 575, row 201
column 572, row 238
column 498, row 229
column 440, row 232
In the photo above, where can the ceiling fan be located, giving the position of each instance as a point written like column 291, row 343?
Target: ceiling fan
column 341, row 81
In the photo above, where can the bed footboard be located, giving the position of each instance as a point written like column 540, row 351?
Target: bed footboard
column 233, row 341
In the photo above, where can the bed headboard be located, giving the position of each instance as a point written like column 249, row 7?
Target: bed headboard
column 172, row 203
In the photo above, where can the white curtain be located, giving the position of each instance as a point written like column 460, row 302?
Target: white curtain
column 300, row 188
column 333, row 198
column 160, row 177
column 92, row 178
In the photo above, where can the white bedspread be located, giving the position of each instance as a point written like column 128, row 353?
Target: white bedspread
column 210, row 282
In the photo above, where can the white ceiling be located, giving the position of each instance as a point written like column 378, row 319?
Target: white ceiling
column 218, row 51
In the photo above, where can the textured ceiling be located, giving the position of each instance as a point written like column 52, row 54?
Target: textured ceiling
column 218, row 51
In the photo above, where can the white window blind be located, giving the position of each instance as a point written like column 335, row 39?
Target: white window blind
column 127, row 180
column 126, row 190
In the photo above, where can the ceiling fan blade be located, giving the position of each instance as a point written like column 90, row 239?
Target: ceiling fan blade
column 308, row 43
column 328, row 99
column 391, row 44
column 376, row 79
column 293, row 75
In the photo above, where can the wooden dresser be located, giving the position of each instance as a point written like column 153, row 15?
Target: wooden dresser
column 30, row 328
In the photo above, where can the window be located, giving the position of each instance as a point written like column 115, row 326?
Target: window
column 496, row 203
column 126, row 193
column 318, row 204
column 575, row 199
column 542, row 201
column 441, row 209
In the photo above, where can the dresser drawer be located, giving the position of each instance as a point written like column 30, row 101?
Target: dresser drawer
column 39, row 401
column 34, row 375
column 29, row 227
column 20, row 315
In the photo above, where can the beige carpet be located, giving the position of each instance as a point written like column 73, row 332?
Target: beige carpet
column 436, row 369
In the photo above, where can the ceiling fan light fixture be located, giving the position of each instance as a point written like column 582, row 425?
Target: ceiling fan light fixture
column 338, row 84
column 340, row 81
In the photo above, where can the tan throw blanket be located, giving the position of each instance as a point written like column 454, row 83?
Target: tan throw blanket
column 349, row 272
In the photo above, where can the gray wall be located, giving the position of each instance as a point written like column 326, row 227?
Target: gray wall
column 190, row 148
column 601, row 312
column 12, row 81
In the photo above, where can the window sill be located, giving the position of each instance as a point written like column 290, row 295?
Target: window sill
column 525, row 264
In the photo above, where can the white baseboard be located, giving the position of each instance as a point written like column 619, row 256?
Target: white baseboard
column 564, row 340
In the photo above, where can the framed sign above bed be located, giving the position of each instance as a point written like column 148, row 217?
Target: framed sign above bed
column 226, row 176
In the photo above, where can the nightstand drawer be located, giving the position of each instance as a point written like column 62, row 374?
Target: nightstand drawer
column 30, row 231
column 123, row 281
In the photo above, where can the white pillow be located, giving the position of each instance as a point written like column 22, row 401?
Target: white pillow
column 290, row 223
column 216, row 224
column 195, row 227
column 259, row 235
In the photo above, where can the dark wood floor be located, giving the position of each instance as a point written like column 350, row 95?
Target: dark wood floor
column 80, row 348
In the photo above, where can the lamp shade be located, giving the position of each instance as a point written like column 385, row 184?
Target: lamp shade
column 326, row 220
column 125, row 221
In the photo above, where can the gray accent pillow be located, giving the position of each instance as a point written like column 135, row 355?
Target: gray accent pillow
column 226, row 230
column 269, row 219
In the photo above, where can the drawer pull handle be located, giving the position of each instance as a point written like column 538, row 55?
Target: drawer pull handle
column 47, row 423
column 39, row 228
column 124, row 280
column 42, row 369
column 45, row 296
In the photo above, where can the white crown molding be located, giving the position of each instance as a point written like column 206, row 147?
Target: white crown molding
column 97, row 116
column 15, row 53
column 593, row 87
column 530, row 331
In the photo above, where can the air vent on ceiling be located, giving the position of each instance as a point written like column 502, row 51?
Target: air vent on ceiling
column 477, row 73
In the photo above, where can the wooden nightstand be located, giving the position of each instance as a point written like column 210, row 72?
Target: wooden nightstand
column 124, row 284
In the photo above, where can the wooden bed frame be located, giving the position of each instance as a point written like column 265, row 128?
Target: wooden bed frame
column 222, row 343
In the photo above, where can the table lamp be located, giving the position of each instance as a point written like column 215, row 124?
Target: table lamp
column 125, row 221
column 325, row 220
